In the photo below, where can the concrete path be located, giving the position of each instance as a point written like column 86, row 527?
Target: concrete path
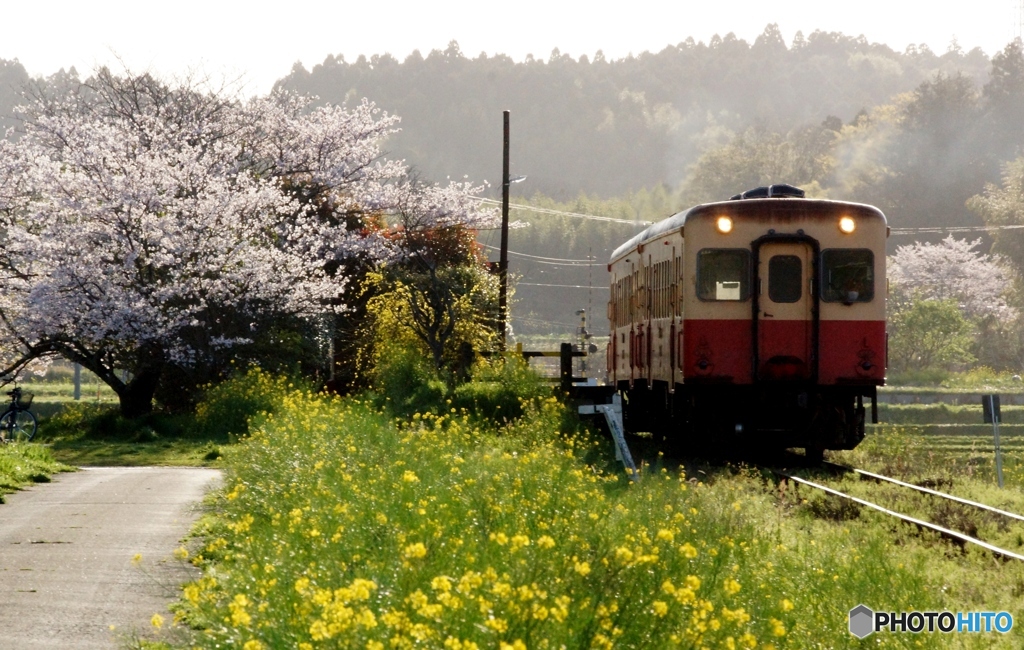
column 66, row 549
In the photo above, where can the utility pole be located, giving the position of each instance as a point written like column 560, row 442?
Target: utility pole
column 503, row 258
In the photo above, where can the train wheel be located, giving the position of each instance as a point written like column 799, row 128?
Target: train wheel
column 815, row 454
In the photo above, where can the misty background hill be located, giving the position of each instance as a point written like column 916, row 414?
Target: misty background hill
column 917, row 133
column 606, row 127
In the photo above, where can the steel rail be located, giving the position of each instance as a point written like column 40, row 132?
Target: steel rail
column 967, row 502
column 945, row 532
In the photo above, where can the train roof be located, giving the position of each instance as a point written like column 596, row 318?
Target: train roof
column 678, row 219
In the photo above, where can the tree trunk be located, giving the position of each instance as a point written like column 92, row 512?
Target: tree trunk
column 136, row 396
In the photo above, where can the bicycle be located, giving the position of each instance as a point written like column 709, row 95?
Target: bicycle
column 18, row 424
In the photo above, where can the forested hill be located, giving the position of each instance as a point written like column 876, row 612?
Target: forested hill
column 609, row 126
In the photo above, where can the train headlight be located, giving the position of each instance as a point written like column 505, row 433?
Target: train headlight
column 724, row 225
column 847, row 225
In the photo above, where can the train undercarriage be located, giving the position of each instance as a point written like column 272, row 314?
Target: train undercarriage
column 749, row 417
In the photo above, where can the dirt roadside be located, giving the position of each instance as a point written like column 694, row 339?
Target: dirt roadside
column 66, row 551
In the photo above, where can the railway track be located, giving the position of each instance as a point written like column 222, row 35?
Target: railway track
column 944, row 532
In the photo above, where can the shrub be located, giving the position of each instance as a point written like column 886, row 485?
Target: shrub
column 406, row 383
column 499, row 389
column 228, row 407
column 105, row 422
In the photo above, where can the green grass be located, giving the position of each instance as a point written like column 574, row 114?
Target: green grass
column 340, row 526
column 25, row 463
column 171, row 453
column 979, row 379
column 967, row 414
column 90, row 433
column 83, row 434
column 62, row 391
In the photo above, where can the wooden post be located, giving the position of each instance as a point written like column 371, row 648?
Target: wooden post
column 565, row 367
column 503, row 258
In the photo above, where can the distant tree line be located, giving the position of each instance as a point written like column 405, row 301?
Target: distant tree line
column 607, row 127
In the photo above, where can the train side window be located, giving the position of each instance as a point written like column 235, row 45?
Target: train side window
column 723, row 274
column 785, row 278
column 847, row 275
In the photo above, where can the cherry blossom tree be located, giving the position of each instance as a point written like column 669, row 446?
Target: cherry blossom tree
column 948, row 306
column 955, row 270
column 147, row 227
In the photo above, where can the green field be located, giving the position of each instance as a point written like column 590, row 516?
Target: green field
column 342, row 526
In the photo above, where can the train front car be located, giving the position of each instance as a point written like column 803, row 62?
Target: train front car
column 757, row 321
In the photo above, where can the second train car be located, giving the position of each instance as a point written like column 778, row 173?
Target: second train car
column 758, row 321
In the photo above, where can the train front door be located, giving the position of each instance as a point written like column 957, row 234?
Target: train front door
column 785, row 315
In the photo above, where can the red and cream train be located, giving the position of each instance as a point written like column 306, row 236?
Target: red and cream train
column 760, row 319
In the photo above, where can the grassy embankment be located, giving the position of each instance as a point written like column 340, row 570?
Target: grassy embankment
column 89, row 431
column 22, row 464
column 343, row 526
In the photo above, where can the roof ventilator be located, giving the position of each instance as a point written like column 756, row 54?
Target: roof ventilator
column 777, row 191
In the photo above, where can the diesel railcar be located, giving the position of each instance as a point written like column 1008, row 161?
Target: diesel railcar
column 757, row 321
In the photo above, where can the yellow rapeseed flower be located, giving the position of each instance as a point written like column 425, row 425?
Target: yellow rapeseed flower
column 778, row 629
column 623, row 554
column 239, row 617
column 499, row 625
column 688, row 551
column 660, row 607
column 582, row 568
column 731, row 586
column 191, row 593
column 546, row 541
column 253, row 644
column 787, row 605
column 518, row 542
column 500, row 538
column 415, row 551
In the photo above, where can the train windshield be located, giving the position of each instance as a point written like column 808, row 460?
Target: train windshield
column 848, row 275
column 723, row 274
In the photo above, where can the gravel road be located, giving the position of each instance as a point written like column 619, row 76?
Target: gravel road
column 66, row 551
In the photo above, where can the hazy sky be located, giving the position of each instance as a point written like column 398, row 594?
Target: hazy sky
column 261, row 40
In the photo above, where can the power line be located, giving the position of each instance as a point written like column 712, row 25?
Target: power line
column 563, row 213
column 537, row 321
column 950, row 229
column 551, row 260
column 563, row 286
